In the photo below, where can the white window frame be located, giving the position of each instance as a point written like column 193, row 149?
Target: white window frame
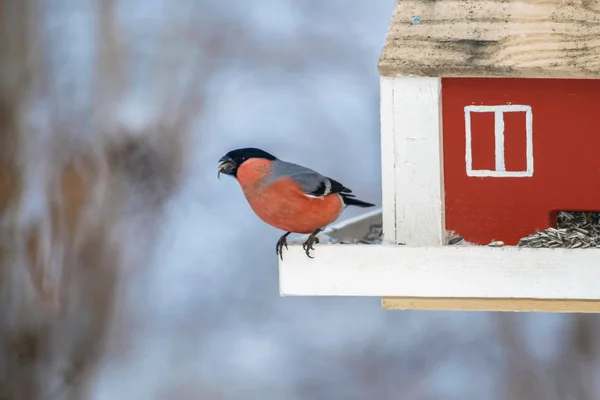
column 500, row 168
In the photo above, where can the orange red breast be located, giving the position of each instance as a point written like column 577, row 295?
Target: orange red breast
column 282, row 203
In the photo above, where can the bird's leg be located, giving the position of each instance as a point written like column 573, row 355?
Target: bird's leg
column 280, row 243
column 312, row 240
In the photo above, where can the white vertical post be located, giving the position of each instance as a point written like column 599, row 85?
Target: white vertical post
column 388, row 164
column 412, row 161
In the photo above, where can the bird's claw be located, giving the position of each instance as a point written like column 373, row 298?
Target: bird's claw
column 309, row 244
column 280, row 244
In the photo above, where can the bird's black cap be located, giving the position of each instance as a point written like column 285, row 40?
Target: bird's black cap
column 230, row 162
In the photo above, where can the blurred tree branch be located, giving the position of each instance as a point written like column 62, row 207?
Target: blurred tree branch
column 77, row 216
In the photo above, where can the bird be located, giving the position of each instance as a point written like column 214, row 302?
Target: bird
column 287, row 196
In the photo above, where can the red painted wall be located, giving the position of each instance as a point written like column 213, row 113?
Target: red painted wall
column 566, row 155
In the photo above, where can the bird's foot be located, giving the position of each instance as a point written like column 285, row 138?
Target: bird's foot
column 280, row 244
column 310, row 242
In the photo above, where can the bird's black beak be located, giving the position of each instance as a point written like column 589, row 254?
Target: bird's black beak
column 226, row 166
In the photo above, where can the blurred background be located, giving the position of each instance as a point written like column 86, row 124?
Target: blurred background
column 165, row 282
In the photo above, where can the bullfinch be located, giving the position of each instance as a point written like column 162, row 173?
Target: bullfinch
column 287, row 196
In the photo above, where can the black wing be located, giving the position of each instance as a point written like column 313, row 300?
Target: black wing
column 329, row 186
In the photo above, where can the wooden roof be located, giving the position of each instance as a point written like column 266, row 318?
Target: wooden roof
column 494, row 38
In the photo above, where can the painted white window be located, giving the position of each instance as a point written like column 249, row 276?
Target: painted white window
column 500, row 169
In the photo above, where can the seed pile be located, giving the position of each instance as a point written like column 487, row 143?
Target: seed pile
column 574, row 230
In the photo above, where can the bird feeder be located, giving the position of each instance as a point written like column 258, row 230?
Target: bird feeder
column 490, row 130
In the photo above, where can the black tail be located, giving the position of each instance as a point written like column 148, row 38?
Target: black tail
column 355, row 202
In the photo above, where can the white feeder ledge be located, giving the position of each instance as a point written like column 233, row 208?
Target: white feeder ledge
column 447, row 277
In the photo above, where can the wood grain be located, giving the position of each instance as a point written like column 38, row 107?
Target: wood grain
column 481, row 304
column 412, row 160
column 494, row 38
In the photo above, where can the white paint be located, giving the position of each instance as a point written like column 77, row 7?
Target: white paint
column 504, row 108
column 388, row 164
column 529, row 140
column 499, row 174
column 500, row 169
column 441, row 271
column 412, row 163
column 499, row 140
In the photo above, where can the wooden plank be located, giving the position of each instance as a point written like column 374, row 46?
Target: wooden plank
column 494, row 38
column 441, row 272
column 388, row 159
column 418, row 163
column 482, row 304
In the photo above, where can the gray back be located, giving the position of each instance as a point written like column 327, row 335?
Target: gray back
column 308, row 179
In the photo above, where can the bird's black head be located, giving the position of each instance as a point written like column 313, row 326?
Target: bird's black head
column 230, row 162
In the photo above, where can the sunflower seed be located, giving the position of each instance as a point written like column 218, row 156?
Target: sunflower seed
column 574, row 230
column 456, row 240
